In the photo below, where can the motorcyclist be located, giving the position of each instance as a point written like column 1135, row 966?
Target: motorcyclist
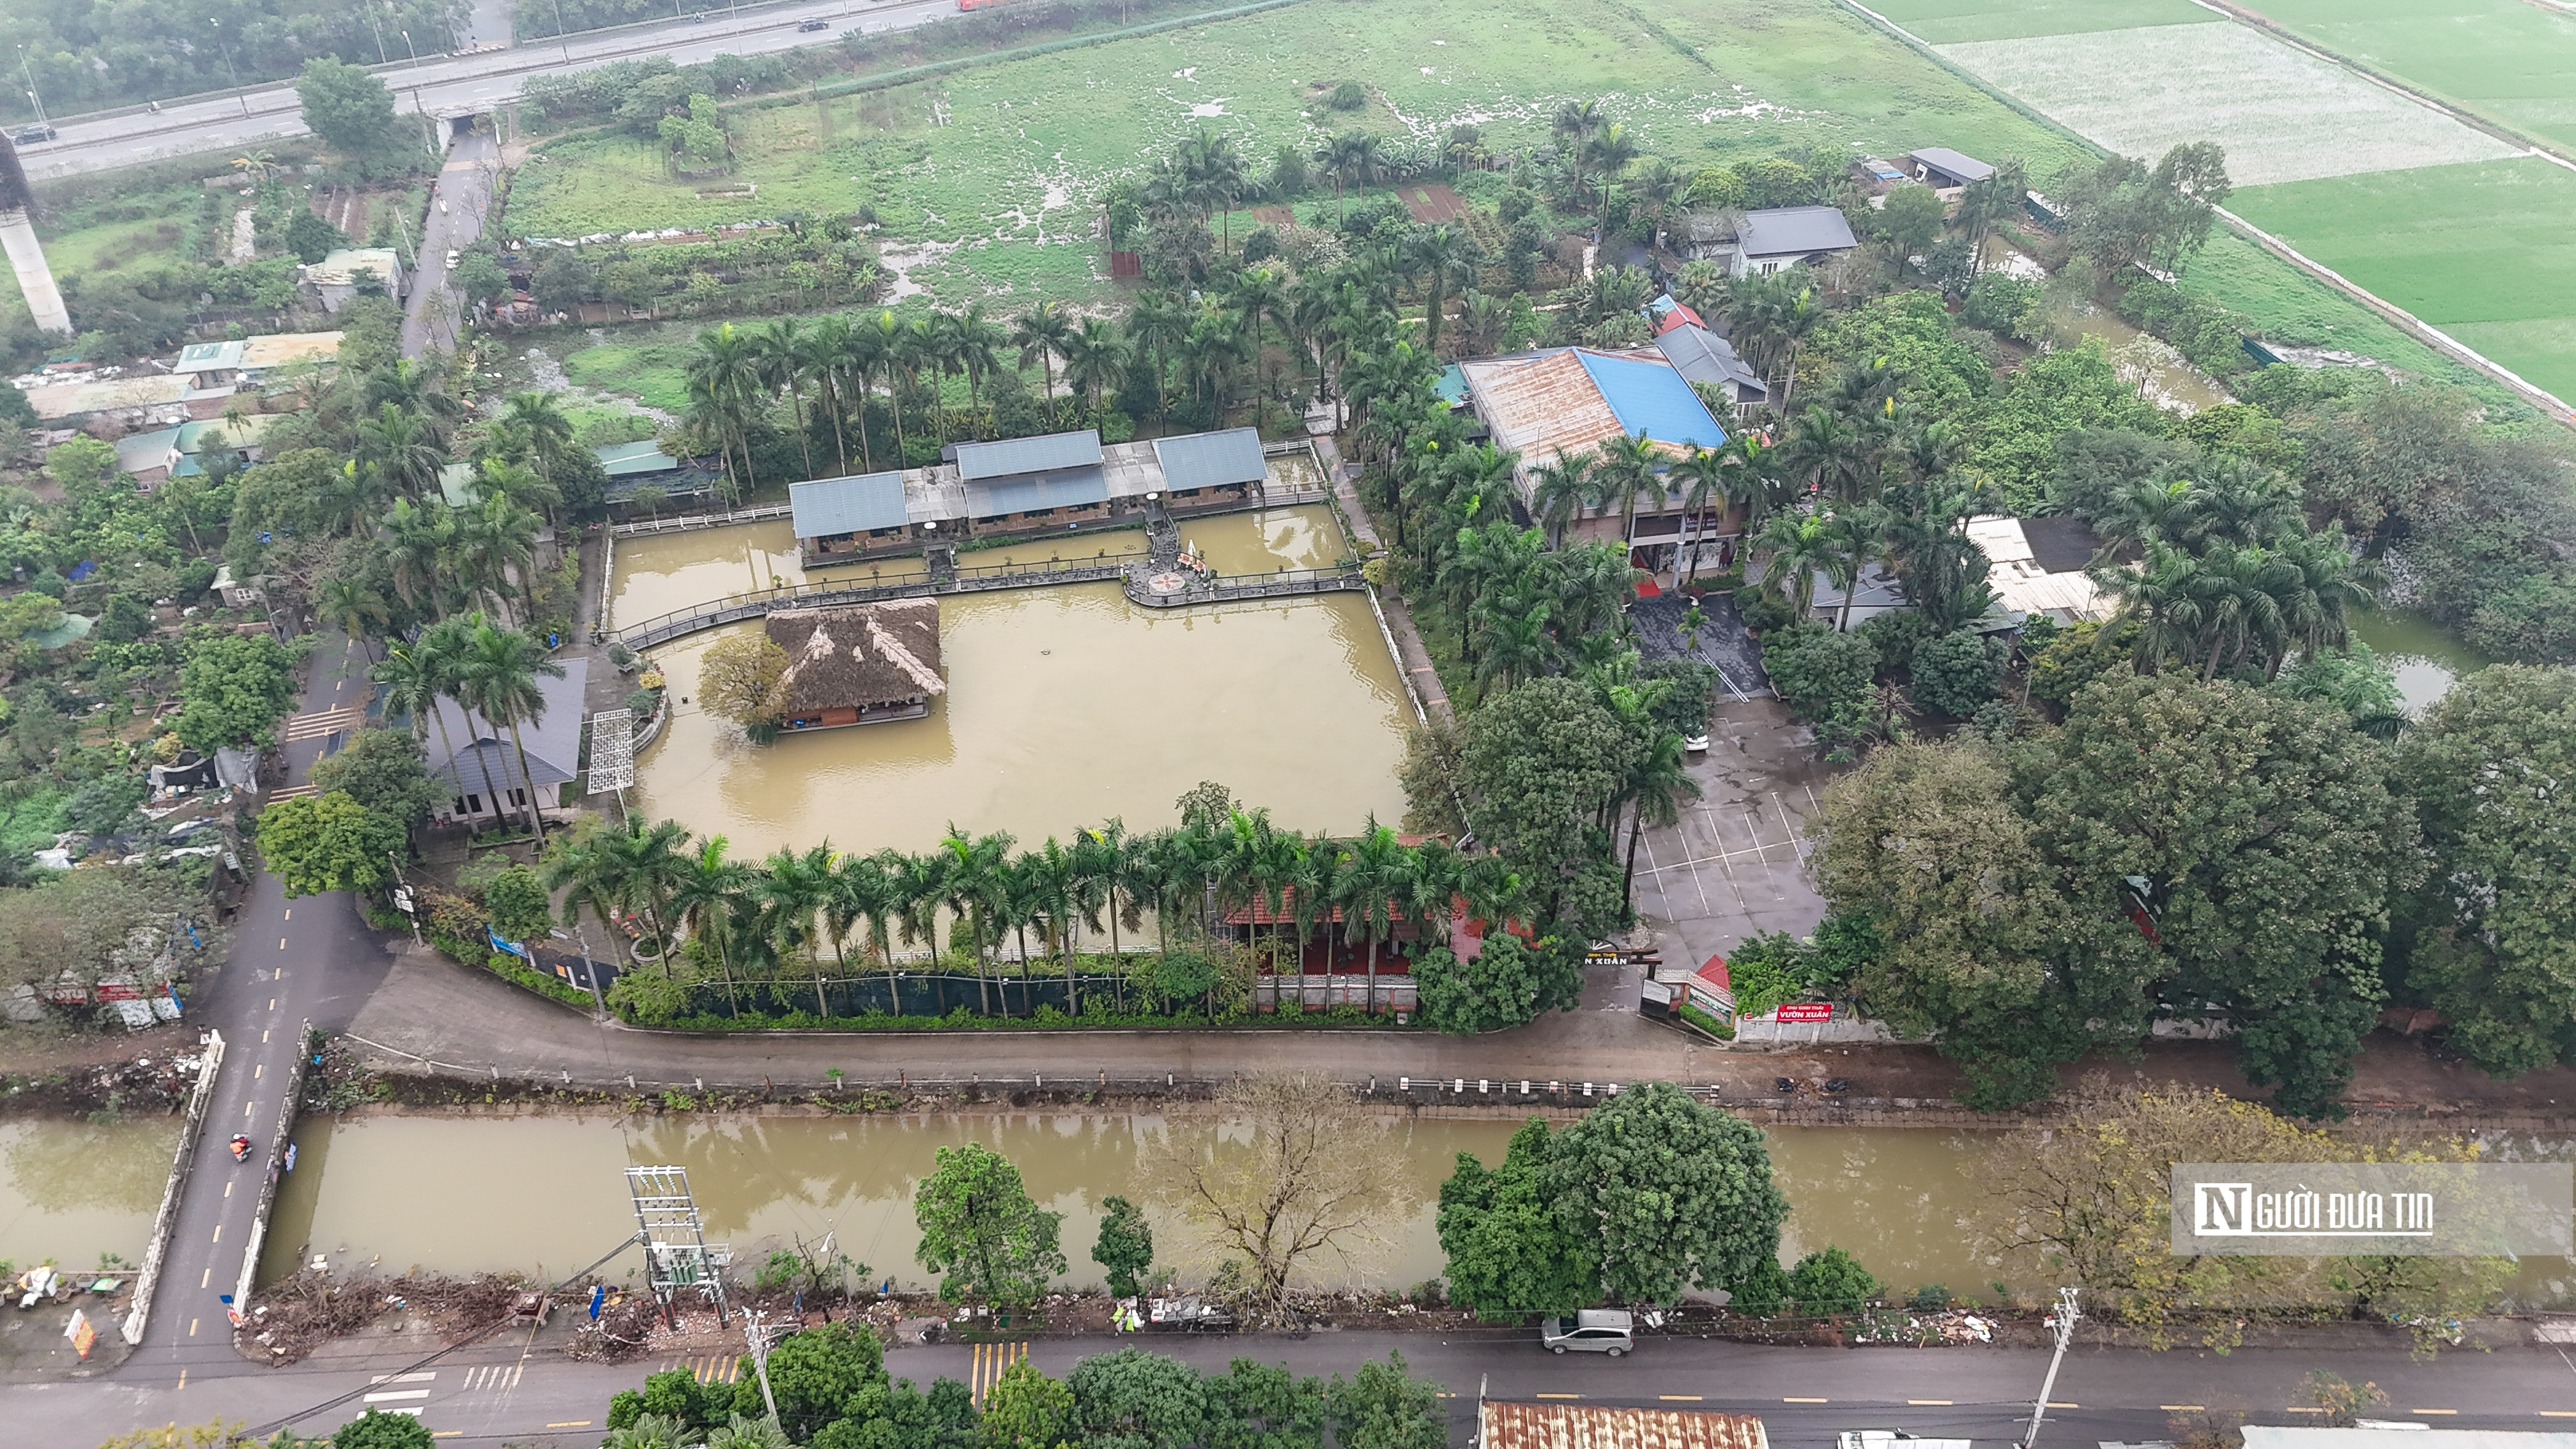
column 241, row 1148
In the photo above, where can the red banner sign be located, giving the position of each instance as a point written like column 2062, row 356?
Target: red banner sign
column 1804, row 1011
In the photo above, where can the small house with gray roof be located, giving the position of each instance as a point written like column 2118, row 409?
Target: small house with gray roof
column 1946, row 171
column 844, row 518
column 1789, row 236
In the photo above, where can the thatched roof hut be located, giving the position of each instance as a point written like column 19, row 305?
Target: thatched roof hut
column 858, row 663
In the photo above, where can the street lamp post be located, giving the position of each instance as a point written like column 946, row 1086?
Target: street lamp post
column 559, row 31
column 29, row 71
column 228, row 64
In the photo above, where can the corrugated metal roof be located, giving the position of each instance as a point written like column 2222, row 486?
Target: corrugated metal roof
column 978, row 462
column 208, row 357
column 827, row 507
column 2025, row 585
column 279, row 348
column 1541, row 407
column 1590, row 1426
column 1211, row 460
column 1795, row 231
column 626, row 459
column 1652, row 399
column 1954, row 163
column 1700, row 355
column 1069, row 488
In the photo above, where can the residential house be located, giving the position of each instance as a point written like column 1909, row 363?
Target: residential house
column 152, row 399
column 1041, row 482
column 2039, row 567
column 1789, row 236
column 1556, row 1424
column 857, row 663
column 181, row 451
column 477, row 762
column 349, row 271
column 632, row 467
column 838, row 519
column 1566, row 401
column 1703, row 356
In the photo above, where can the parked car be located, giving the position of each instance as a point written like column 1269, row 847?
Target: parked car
column 813, row 25
column 1594, row 1330
column 452, row 258
column 1894, row 1439
column 1696, row 744
column 30, row 135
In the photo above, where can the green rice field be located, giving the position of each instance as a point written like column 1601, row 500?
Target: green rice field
column 1946, row 22
column 2482, row 251
column 2509, row 60
column 987, row 179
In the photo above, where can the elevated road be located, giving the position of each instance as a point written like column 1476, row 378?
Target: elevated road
column 458, row 85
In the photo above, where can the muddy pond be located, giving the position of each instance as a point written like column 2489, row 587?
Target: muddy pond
column 71, row 1190
column 1065, row 705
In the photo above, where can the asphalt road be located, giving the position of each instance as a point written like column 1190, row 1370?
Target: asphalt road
column 456, row 85
column 518, row 1390
column 454, row 220
column 291, row 962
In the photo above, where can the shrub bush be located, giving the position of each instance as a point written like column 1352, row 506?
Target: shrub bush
column 1348, row 96
column 1819, row 671
column 1958, row 671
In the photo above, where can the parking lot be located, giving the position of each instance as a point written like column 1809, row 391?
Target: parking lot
column 1735, row 865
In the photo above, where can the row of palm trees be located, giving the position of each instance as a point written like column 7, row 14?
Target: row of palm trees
column 780, row 918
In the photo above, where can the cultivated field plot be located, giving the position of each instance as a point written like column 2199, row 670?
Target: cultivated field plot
column 988, row 179
column 1946, row 22
column 2282, row 115
column 2484, row 252
column 2509, row 60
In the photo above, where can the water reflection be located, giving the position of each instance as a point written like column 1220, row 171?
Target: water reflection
column 76, row 1189
column 2426, row 658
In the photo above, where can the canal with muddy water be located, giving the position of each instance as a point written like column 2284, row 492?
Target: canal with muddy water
column 1066, row 705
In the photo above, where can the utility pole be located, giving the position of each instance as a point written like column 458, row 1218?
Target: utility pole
column 758, row 1336
column 33, row 99
column 404, row 901
column 238, row 93
column 2063, row 1322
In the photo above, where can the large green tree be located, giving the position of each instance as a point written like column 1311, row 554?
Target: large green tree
column 1509, row 982
column 1510, row 1252
column 1125, row 1247
column 232, row 688
column 1542, row 766
column 1676, row 1194
column 2257, row 835
column 1384, row 1407
column 350, row 109
column 2492, row 771
column 816, row 1374
column 320, row 843
column 383, row 770
column 981, row 1232
column 1922, row 841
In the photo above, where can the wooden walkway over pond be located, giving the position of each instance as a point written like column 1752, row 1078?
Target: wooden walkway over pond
column 1133, row 571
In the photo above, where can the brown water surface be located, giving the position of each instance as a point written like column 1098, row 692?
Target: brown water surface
column 1065, row 706
column 71, row 1190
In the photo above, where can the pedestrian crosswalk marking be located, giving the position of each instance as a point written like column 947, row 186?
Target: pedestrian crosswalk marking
column 992, row 1360
column 712, row 1368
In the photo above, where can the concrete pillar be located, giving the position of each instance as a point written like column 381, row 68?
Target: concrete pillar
column 35, row 279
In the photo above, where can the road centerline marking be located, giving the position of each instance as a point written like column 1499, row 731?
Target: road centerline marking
column 1803, row 1401
column 1936, row 1403
column 1679, row 1398
column 571, row 1424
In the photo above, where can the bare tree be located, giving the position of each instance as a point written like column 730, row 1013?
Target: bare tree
column 1313, row 1176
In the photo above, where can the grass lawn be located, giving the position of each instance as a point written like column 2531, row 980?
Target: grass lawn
column 2484, row 251
column 104, row 248
column 650, row 373
column 1942, row 22
column 2511, row 60
column 986, row 179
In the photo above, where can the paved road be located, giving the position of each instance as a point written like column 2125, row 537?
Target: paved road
column 460, row 84
column 518, row 1389
column 454, row 220
column 291, row 961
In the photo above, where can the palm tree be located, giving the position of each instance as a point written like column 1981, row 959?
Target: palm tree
column 629, row 866
column 1097, row 354
column 499, row 541
column 400, row 450
column 1796, row 545
column 1259, row 293
column 1858, row 536
column 1314, row 893
column 973, row 887
column 724, row 381
column 1610, row 152
column 1372, row 876
column 1656, row 787
column 705, row 900
column 1825, row 449
column 350, row 606
column 1560, row 490
column 784, row 355
column 1049, row 878
column 418, row 541
column 1354, row 158
column 1575, row 123
column 498, row 676
column 1040, row 332
column 868, row 888
column 413, row 680
column 1626, row 474
column 975, row 342
column 549, row 434
column 1443, row 252
column 823, row 354
column 791, row 895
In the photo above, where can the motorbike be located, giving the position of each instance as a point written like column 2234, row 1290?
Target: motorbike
column 241, row 1149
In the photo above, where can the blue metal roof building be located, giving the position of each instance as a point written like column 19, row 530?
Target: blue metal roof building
column 1651, row 399
column 861, row 503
